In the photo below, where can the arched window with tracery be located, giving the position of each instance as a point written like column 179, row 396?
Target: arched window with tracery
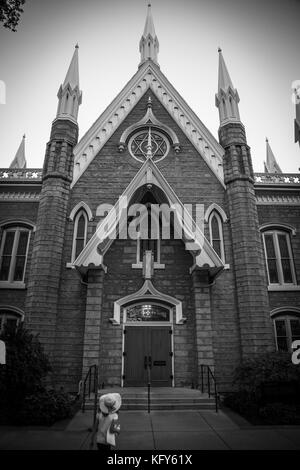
column 80, row 233
column 216, row 234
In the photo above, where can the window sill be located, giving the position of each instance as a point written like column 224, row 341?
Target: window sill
column 286, row 287
column 140, row 266
column 12, row 285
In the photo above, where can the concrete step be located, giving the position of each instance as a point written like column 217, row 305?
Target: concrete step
column 167, row 393
column 165, row 400
column 162, row 406
column 161, row 399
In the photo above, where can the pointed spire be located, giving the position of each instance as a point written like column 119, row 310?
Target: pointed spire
column 19, row 162
column 149, row 45
column 227, row 98
column 149, row 25
column 72, row 77
column 69, row 94
column 297, row 120
column 224, row 77
column 271, row 165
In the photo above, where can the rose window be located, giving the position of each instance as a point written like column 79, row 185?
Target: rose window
column 139, row 143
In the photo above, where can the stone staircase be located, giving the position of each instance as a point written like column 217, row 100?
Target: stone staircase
column 134, row 399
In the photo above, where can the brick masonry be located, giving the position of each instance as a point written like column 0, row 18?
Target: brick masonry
column 225, row 321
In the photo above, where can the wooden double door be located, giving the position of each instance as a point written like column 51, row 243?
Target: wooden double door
column 148, row 356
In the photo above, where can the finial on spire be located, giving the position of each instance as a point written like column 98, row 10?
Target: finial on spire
column 72, row 77
column 69, row 94
column 149, row 45
column 224, row 77
column 149, row 104
column 227, row 98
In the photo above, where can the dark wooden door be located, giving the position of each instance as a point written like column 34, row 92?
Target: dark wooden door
column 136, row 349
column 150, row 345
column 160, row 353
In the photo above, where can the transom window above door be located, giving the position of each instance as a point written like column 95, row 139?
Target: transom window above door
column 147, row 312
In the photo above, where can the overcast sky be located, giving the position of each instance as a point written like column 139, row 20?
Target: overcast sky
column 260, row 42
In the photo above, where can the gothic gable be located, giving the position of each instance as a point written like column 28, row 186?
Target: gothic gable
column 148, row 77
column 109, row 228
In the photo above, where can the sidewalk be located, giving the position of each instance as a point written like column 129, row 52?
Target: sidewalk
column 160, row 430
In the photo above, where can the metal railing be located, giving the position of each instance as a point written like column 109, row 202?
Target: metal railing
column 148, row 366
column 7, row 174
column 277, row 178
column 90, row 385
column 208, row 379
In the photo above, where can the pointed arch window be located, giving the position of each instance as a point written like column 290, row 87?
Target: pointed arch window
column 279, row 257
column 80, row 233
column 286, row 328
column 224, row 108
column 151, row 240
column 10, row 318
column 13, row 254
column 231, row 106
column 216, row 234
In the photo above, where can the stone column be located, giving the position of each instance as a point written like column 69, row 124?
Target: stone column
column 203, row 323
column 248, row 258
column 46, row 262
column 91, row 344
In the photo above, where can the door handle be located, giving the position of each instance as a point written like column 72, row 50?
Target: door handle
column 150, row 362
column 145, row 362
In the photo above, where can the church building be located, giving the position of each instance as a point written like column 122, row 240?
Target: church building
column 148, row 244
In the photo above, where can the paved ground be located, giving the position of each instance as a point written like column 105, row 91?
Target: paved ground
column 160, row 430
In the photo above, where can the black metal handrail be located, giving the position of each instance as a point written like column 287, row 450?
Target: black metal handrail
column 149, row 387
column 148, row 365
column 90, row 385
column 209, row 376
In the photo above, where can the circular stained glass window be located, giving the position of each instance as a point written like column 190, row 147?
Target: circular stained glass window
column 138, row 145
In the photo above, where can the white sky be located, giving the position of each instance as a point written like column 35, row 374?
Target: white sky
column 260, row 42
